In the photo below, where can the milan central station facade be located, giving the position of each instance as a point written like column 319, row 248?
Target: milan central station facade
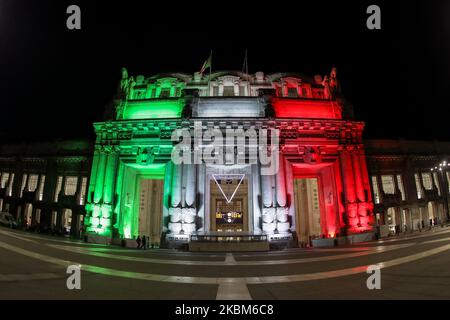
column 330, row 184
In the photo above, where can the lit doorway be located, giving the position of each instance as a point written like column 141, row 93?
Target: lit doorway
column 308, row 208
column 229, row 201
column 150, row 208
column 28, row 214
column 66, row 221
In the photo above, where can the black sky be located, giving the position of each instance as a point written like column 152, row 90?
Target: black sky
column 55, row 82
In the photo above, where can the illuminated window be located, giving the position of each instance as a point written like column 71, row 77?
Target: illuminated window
column 58, row 188
column 391, row 216
column 448, row 180
column 32, row 182
column 427, row 182
column 165, row 93
column 292, row 92
column 83, row 190
column 387, row 182
column 70, row 187
column 41, row 188
column 24, row 181
column 401, row 187
column 54, row 218
column 139, row 94
column 9, row 190
column 436, row 182
column 153, row 93
column 376, row 191
column 215, row 91
column 242, row 91
column 228, row 91
column 177, row 91
column 38, row 215
column 4, row 181
column 418, row 186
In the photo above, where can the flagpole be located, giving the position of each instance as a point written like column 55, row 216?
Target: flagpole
column 209, row 80
column 246, row 71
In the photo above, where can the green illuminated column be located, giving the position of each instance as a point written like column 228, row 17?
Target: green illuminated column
column 108, row 190
column 93, row 177
column 98, row 192
column 167, row 192
column 110, row 175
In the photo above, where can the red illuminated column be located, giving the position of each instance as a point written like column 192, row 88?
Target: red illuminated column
column 339, row 192
column 349, row 188
column 359, row 185
column 366, row 184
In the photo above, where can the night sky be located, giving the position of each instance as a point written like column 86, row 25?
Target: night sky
column 55, row 82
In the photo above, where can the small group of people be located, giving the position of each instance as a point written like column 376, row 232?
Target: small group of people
column 142, row 242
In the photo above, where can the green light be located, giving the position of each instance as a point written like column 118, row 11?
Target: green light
column 130, row 180
column 154, row 109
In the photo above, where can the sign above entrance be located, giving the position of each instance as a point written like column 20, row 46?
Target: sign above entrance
column 239, row 177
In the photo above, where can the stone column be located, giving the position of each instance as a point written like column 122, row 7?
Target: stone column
column 176, row 185
column 359, row 186
column 236, row 88
column 351, row 206
column 256, row 194
column 110, row 175
column 191, row 176
column 93, row 176
column 112, row 157
column 266, row 190
column 100, row 177
column 220, row 89
column 281, row 183
column 36, row 194
column 360, row 191
column 365, row 175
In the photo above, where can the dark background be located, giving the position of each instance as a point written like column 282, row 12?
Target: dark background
column 55, row 82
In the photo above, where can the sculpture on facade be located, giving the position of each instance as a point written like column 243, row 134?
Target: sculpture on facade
column 331, row 85
column 126, row 84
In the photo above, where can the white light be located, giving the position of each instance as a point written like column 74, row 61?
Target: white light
column 237, row 187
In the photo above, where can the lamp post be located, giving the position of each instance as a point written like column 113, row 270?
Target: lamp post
column 443, row 168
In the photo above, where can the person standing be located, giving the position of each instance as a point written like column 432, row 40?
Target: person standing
column 138, row 241
column 144, row 242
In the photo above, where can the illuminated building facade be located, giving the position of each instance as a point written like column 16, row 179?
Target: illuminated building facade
column 329, row 184
column 322, row 187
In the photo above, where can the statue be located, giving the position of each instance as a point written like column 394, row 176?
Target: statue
column 126, row 84
column 334, row 83
column 326, row 88
column 331, row 85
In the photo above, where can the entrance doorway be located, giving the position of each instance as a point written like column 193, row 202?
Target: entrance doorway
column 66, row 220
column 229, row 201
column 28, row 214
column 308, row 207
column 150, row 208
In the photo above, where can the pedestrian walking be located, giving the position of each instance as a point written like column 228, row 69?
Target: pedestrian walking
column 144, row 242
column 138, row 241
